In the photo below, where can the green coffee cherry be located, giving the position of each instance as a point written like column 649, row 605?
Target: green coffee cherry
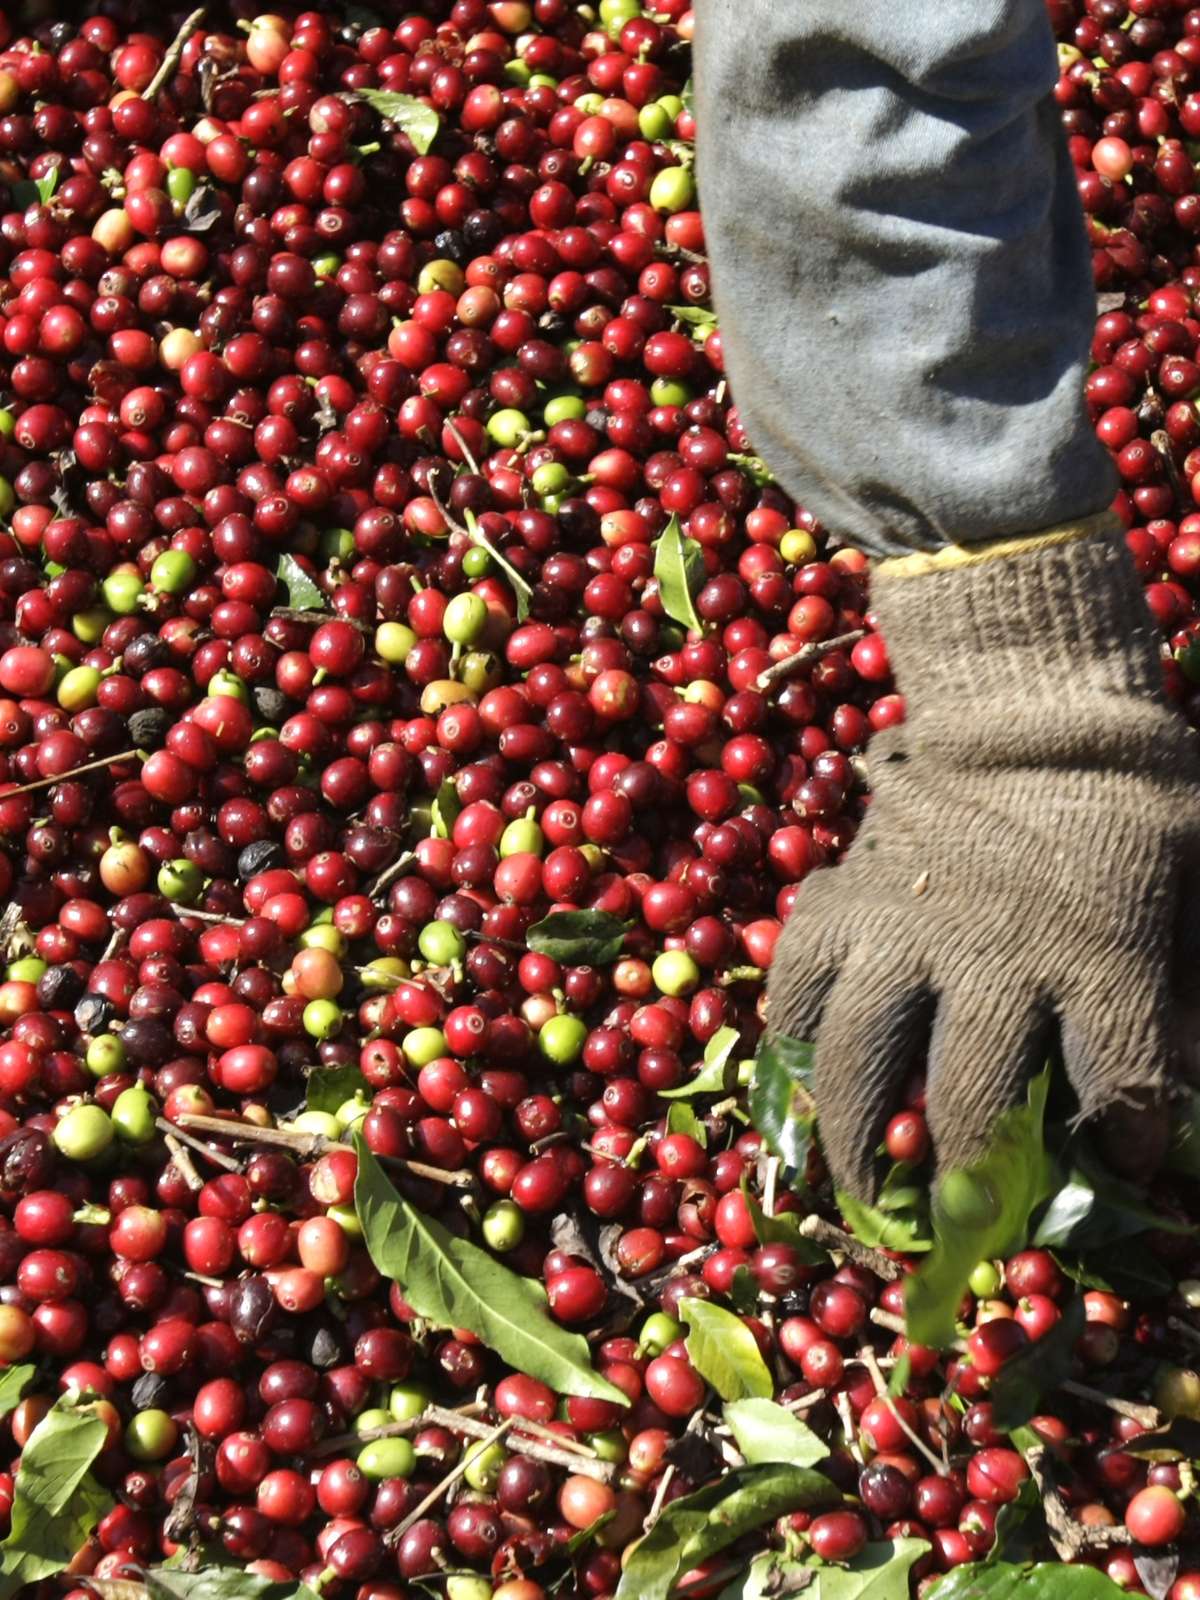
column 669, row 392
column 105, row 1054
column 172, row 572
column 150, row 1435
column 77, row 688
column 228, row 684
column 467, row 1586
column 423, row 1045
column 181, row 184
column 658, row 1331
column 386, row 1458
column 654, row 121
column 550, row 478
column 133, row 1114
column 324, row 266
column 406, row 1401
column 122, row 591
column 562, row 1039
column 986, row 1280
column 321, row 1122
column 476, row 563
column 673, row 189
column 441, row 943
column 84, row 1133
column 675, row 972
column 26, row 969
column 503, row 1225
column 508, row 427
column 522, row 836
column 393, row 641
column 564, row 408
column 483, row 1466
column 322, row 1019
column 465, row 618
column 180, row 881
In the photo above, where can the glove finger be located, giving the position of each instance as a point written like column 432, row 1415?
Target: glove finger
column 811, row 948
column 983, row 1051
column 1121, row 1065
column 874, row 1030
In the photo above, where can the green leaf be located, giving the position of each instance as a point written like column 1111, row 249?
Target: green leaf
column 714, row 1076
column 1184, row 1154
column 682, row 1119
column 1036, row 1370
column 522, row 592
column 687, row 95
column 764, row 1431
column 1133, row 1275
column 899, row 1220
column 781, row 1104
column 724, row 1352
column 326, row 1088
column 879, row 1572
column 783, row 1229
column 47, row 186
column 1020, row 1526
column 579, row 938
column 56, row 1501
column 1048, row 1580
column 694, row 316
column 1094, row 1209
column 443, row 813
column 699, row 1525
column 303, row 593
column 755, row 468
column 13, row 1383
column 218, row 1583
column 452, row 1283
column 980, row 1215
column 743, row 1291
column 679, row 569
column 413, row 117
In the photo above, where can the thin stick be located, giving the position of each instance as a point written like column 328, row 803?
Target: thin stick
column 217, row 1157
column 575, row 1446
column 867, row 1356
column 831, row 1238
column 171, row 60
column 1069, row 1538
column 519, row 1441
column 842, row 1407
column 115, row 940
column 296, row 614
column 307, row 1145
column 468, row 453
column 88, row 766
column 389, row 875
column 660, row 1494
column 442, row 1489
column 204, row 916
column 183, row 1161
column 789, row 666
column 1185, row 1330
column 1146, row 1415
column 772, row 1179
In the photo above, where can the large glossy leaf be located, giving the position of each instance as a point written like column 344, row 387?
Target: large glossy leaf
column 682, row 1119
column 578, row 938
column 1094, row 1209
column 679, row 570
column 714, row 1076
column 13, row 1383
column 781, row 1229
column 699, row 1525
column 979, row 1215
column 724, row 1352
column 1036, row 1370
column 452, row 1283
column 764, row 1431
column 56, row 1501
column 899, row 1219
column 216, row 1583
column 303, row 593
column 413, row 117
column 879, row 1572
column 781, row 1104
column 1006, row 1581
column 1133, row 1274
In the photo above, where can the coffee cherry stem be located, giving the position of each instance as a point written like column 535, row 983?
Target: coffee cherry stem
column 468, row 453
column 940, row 1464
column 444, row 1485
column 61, row 777
column 1147, row 1416
column 389, row 875
column 308, row 1145
column 804, row 657
column 524, row 1440
column 217, row 1157
column 183, row 1162
column 171, row 60
column 837, row 1239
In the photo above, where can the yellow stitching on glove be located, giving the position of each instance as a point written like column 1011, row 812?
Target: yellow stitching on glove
column 953, row 556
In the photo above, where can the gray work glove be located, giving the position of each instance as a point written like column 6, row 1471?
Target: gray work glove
column 1028, row 861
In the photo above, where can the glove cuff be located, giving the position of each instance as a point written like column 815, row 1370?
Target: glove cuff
column 1049, row 619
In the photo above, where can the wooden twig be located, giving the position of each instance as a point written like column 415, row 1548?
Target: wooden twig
column 1146, row 1415
column 183, row 1161
column 171, row 60
column 1069, row 1538
column 660, row 1494
column 867, row 1356
column 841, row 1404
column 62, row 777
column 441, row 1490
column 389, row 875
column 789, row 666
column 468, row 453
column 308, row 1145
column 519, row 1440
column 299, row 614
column 115, row 940
column 217, row 1157
column 182, row 911
column 831, row 1238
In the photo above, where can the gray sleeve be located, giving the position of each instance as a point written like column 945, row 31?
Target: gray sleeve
column 900, row 267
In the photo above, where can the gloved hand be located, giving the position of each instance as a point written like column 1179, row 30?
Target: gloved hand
column 1029, row 860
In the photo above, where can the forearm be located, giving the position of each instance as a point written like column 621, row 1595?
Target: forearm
column 900, row 267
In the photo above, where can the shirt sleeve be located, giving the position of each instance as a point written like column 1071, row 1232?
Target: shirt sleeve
column 900, row 268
